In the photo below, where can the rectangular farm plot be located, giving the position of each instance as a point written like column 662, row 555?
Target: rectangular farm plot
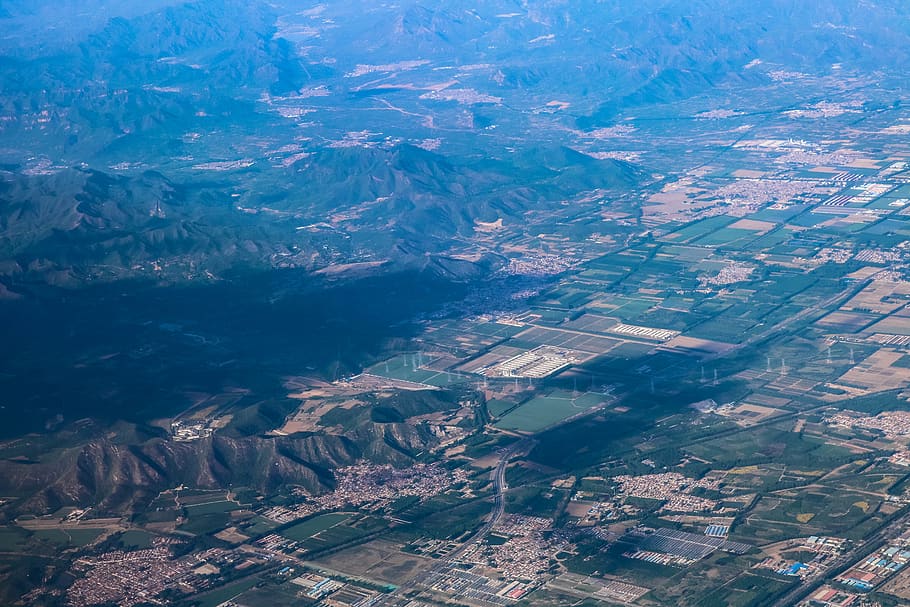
column 686, row 254
column 726, row 236
column 544, row 411
column 754, row 225
column 878, row 372
column 491, row 358
column 314, row 526
column 880, row 297
column 331, row 530
column 379, row 560
column 846, row 322
column 591, row 323
column 693, row 345
column 652, row 333
column 625, row 307
column 893, row 325
column 575, row 340
column 421, row 370
column 700, row 229
column 407, row 367
column 748, row 414
column 539, row 362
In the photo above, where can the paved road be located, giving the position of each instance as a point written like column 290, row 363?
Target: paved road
column 888, row 531
column 498, row 477
column 500, row 487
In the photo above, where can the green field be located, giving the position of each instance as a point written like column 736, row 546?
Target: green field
column 226, row 593
column 495, row 329
column 270, row 594
column 211, row 508
column 404, row 367
column 544, row 411
column 191, row 497
column 318, row 524
column 135, row 539
column 768, row 444
column 699, row 229
column 726, row 236
column 13, row 539
column 631, row 307
column 498, row 407
column 259, row 525
column 206, row 523
column 748, row 590
column 68, row 537
column 407, row 367
column 444, row 518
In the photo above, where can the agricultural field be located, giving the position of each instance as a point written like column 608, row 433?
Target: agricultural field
column 379, row 560
column 630, row 398
column 412, row 368
column 541, row 412
column 314, row 526
column 769, row 444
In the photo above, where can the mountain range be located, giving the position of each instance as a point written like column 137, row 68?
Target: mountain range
column 199, row 136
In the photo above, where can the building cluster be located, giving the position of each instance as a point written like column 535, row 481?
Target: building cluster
column 377, row 486
column 826, row 550
column 521, row 526
column 817, row 158
column 432, row 547
column 141, row 576
column 900, row 458
column 526, row 554
column 731, row 273
column 823, row 109
column 874, row 569
column 334, row 593
column 788, row 568
column 752, row 193
column 659, row 558
column 466, row 96
column 350, row 595
column 889, row 339
column 881, row 256
column 688, row 503
column 645, row 332
column 316, row 586
column 866, row 574
column 372, row 487
column 286, row 514
column 671, row 487
column 870, row 191
column 622, row 591
column 476, row 589
column 600, row 511
column 273, row 543
column 890, row 423
column 827, row 596
column 825, row 545
column 539, row 362
column 538, row 265
column 832, row 255
column 191, row 430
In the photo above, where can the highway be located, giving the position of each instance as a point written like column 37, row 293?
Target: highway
column 498, row 478
column 887, row 531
